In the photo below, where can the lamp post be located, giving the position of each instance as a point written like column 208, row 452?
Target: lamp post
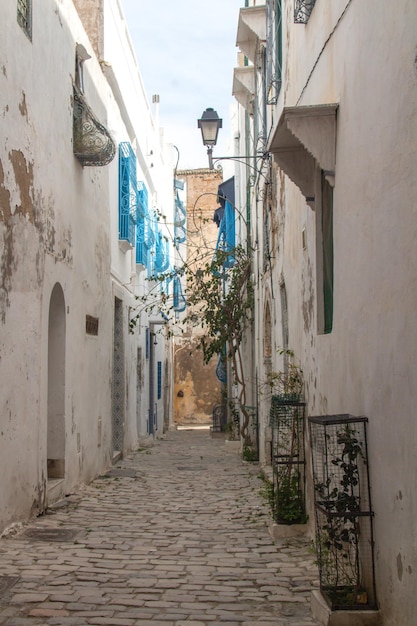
column 210, row 123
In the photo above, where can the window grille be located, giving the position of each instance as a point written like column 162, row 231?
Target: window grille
column 273, row 50
column 302, row 10
column 24, row 16
column 91, row 325
column 180, row 220
column 142, row 215
column 146, row 231
column 127, row 193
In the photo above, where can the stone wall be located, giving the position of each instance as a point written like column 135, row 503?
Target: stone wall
column 196, row 387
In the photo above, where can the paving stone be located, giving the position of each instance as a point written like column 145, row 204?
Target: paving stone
column 26, row 598
column 43, row 612
column 185, row 544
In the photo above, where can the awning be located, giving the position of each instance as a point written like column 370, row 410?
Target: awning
column 244, row 86
column 251, row 29
column 304, row 138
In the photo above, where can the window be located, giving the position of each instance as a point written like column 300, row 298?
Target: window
column 147, row 333
column 24, row 16
column 91, row 325
column 327, row 229
column 127, row 194
column 325, row 259
column 273, row 50
column 159, row 380
column 226, row 239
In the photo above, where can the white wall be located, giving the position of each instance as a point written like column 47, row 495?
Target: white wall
column 54, row 228
column 58, row 224
column 364, row 60
column 132, row 119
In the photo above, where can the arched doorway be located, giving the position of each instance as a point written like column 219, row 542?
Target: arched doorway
column 56, row 385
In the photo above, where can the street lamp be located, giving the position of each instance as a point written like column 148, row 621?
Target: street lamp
column 210, row 123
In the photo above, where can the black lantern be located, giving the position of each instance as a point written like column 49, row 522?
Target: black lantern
column 210, row 123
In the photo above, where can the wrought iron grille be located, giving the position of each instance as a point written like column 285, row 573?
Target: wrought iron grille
column 273, row 50
column 142, row 216
column 180, row 220
column 146, row 232
column 344, row 534
column 92, row 143
column 302, row 10
column 219, row 418
column 288, row 460
column 24, row 16
column 128, row 193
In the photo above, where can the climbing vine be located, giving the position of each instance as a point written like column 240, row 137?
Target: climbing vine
column 219, row 297
column 220, row 300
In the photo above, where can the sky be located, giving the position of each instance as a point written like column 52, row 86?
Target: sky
column 186, row 51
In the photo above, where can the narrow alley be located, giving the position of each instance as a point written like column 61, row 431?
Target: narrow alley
column 175, row 533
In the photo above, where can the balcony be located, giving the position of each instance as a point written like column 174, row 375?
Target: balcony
column 244, row 86
column 304, row 138
column 302, row 10
column 251, row 30
column 92, row 144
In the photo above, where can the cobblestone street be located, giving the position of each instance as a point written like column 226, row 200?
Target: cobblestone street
column 175, row 533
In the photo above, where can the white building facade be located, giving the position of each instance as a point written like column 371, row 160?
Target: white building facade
column 328, row 110
column 78, row 388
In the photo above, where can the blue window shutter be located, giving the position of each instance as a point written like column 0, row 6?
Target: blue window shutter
column 127, row 193
column 142, row 212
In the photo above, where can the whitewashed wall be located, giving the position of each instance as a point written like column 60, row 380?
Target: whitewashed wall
column 54, row 228
column 363, row 57
column 58, row 225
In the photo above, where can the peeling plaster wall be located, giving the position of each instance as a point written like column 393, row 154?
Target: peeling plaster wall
column 54, row 228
